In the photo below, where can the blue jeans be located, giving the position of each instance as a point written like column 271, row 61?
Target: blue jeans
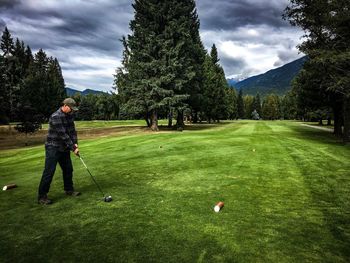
column 52, row 157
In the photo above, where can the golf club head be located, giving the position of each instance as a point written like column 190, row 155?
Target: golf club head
column 108, row 198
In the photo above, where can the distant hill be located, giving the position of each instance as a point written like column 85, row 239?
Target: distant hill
column 232, row 81
column 71, row 92
column 276, row 81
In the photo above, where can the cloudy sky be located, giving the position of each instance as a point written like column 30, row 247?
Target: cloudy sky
column 250, row 35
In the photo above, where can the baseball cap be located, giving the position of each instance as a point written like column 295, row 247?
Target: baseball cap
column 71, row 104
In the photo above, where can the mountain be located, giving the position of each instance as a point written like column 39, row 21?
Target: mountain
column 276, row 81
column 232, row 81
column 71, row 92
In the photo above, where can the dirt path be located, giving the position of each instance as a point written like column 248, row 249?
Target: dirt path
column 11, row 139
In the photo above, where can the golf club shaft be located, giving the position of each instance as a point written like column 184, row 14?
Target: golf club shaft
column 99, row 188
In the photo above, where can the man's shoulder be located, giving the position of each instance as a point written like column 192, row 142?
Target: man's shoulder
column 57, row 114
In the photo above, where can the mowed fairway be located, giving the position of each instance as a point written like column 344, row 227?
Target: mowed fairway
column 287, row 201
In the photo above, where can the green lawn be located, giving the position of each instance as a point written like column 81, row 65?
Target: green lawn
column 287, row 201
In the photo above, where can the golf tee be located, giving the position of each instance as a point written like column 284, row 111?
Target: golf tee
column 9, row 186
column 218, row 207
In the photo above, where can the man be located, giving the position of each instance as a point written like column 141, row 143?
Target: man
column 61, row 139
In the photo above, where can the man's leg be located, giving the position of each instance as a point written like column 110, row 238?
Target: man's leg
column 67, row 170
column 51, row 159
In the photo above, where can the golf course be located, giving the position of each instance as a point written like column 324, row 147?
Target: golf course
column 285, row 188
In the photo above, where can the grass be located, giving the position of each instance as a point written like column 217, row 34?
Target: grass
column 10, row 138
column 287, row 201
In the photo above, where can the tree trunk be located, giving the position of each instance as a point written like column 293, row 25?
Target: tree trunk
column 27, row 141
column 320, row 122
column 170, row 119
column 337, row 121
column 346, row 118
column 147, row 120
column 329, row 121
column 195, row 117
column 154, row 121
column 180, row 121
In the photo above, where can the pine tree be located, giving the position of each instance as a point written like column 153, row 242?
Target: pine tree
column 3, row 103
column 326, row 25
column 215, row 96
column 248, row 101
column 231, row 96
column 209, row 89
column 214, row 54
column 240, row 105
column 158, row 69
column 28, row 59
column 7, row 45
column 9, row 66
column 257, row 103
column 27, row 84
column 271, row 107
column 55, row 89
column 196, row 54
column 44, row 87
column 289, row 106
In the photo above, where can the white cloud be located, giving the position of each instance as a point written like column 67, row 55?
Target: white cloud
column 252, row 50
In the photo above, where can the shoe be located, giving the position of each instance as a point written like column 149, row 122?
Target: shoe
column 44, row 201
column 72, row 193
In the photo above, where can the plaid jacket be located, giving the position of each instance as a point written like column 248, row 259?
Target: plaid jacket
column 62, row 133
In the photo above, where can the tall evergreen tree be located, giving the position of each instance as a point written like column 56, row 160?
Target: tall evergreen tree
column 240, row 105
column 44, row 87
column 7, row 44
column 3, row 103
column 231, row 95
column 214, row 55
column 55, row 89
column 9, row 67
column 27, row 84
column 257, row 103
column 196, row 54
column 28, row 59
column 158, row 68
column 289, row 106
column 248, row 101
column 271, row 107
column 215, row 85
column 326, row 25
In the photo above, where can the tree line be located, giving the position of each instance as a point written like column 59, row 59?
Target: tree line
column 98, row 107
column 31, row 86
column 323, row 86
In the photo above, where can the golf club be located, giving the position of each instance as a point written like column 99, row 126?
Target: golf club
column 105, row 198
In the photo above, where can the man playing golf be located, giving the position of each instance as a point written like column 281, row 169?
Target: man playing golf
column 61, row 139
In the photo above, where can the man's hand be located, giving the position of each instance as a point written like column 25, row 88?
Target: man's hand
column 76, row 151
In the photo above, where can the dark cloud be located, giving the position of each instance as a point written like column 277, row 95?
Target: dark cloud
column 228, row 14
column 2, row 24
column 84, row 34
column 4, row 4
column 284, row 57
column 231, row 65
column 90, row 24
